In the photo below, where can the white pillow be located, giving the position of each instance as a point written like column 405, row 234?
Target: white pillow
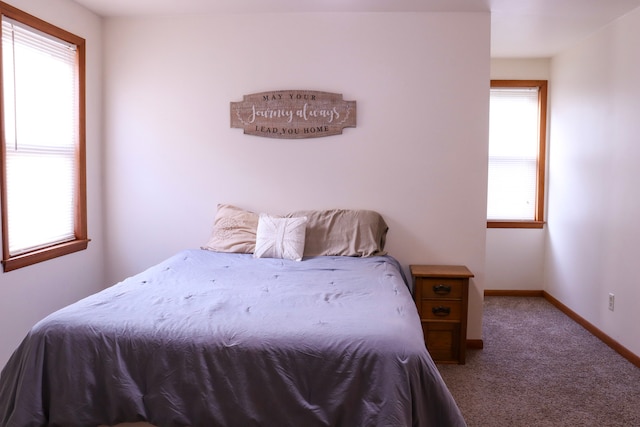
column 280, row 237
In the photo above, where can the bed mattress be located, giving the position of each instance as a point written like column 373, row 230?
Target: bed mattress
column 222, row 339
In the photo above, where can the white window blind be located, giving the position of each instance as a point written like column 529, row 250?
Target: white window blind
column 513, row 154
column 41, row 135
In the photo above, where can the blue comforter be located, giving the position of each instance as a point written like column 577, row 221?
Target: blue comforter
column 214, row 339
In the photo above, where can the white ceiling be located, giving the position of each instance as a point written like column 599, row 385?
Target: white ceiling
column 519, row 28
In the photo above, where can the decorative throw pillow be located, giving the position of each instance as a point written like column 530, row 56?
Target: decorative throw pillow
column 280, row 237
column 234, row 230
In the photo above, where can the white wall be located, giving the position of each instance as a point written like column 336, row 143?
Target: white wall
column 515, row 259
column 418, row 154
column 515, row 256
column 594, row 203
column 30, row 293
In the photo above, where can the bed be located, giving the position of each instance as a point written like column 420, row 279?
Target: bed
column 232, row 338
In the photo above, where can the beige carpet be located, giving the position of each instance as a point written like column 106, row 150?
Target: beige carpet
column 539, row 368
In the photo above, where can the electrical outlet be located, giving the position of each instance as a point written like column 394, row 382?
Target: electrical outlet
column 612, row 299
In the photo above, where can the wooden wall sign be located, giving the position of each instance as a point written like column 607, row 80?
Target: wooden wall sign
column 293, row 114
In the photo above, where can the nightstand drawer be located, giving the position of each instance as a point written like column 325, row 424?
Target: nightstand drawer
column 440, row 310
column 440, row 288
column 442, row 340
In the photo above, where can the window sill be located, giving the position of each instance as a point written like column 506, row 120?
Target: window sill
column 16, row 262
column 515, row 224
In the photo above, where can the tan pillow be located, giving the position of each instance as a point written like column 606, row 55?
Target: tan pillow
column 344, row 232
column 234, row 230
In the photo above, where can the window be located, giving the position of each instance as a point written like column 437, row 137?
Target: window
column 43, row 140
column 517, row 135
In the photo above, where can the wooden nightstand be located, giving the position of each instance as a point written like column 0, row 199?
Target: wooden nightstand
column 441, row 296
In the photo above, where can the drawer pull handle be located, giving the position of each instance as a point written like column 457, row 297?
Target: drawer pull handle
column 441, row 289
column 441, row 311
